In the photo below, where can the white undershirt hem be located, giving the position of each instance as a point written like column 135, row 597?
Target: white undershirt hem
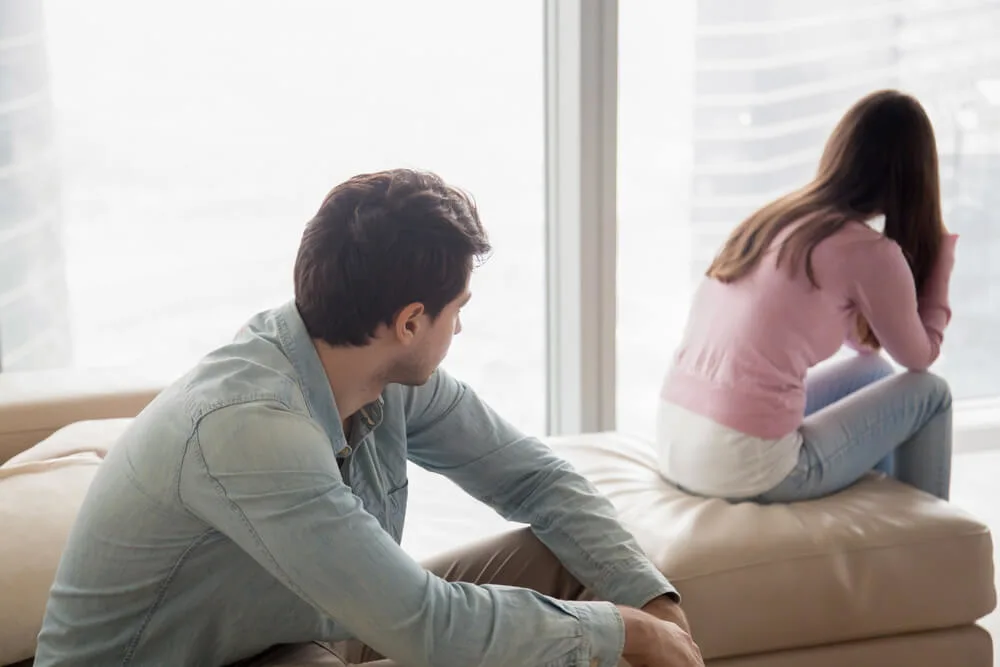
column 710, row 459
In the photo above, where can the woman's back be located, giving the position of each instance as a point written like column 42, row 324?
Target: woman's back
column 748, row 344
column 792, row 283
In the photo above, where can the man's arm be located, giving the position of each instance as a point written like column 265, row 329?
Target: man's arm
column 452, row 432
column 268, row 480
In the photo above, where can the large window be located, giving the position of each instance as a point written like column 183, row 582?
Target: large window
column 158, row 161
column 196, row 137
column 725, row 105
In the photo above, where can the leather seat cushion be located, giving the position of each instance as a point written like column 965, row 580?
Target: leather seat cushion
column 877, row 559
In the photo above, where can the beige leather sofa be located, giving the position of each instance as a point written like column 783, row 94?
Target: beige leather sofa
column 879, row 575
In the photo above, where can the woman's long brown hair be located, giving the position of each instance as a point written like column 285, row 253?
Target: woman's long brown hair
column 880, row 160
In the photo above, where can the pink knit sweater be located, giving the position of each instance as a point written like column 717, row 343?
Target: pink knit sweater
column 748, row 344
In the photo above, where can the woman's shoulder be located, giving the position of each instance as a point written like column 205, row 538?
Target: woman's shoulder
column 855, row 253
column 858, row 239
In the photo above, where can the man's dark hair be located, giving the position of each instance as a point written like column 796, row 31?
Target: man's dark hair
column 380, row 242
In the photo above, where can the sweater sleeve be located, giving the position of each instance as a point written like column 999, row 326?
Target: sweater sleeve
column 911, row 329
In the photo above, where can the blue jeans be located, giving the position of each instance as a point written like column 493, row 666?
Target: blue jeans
column 860, row 416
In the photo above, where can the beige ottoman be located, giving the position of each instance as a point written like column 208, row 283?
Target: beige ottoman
column 877, row 575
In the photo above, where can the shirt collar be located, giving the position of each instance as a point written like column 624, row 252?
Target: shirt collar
column 298, row 347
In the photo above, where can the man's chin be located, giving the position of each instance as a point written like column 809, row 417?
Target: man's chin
column 415, row 381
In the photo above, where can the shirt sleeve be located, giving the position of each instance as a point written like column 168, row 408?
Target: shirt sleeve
column 452, row 432
column 267, row 478
column 911, row 330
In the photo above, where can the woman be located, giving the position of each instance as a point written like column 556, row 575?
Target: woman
column 739, row 419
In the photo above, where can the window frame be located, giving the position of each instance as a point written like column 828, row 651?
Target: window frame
column 581, row 155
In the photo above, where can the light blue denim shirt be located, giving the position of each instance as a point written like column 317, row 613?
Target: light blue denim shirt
column 233, row 515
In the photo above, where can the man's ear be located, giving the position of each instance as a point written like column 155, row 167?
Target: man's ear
column 408, row 322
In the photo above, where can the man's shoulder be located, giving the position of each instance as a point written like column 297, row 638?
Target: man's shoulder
column 226, row 387
column 239, row 402
column 245, row 374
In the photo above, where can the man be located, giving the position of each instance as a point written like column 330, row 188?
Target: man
column 260, row 499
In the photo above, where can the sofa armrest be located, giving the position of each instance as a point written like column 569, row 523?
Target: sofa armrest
column 34, row 404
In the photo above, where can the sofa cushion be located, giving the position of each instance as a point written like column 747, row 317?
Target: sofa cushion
column 41, row 490
column 879, row 558
column 35, row 404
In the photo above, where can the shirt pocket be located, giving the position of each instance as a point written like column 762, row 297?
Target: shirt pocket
column 396, row 509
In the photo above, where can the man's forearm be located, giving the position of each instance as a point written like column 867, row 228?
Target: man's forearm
column 452, row 432
column 581, row 528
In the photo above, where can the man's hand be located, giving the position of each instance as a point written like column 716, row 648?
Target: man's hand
column 652, row 642
column 666, row 609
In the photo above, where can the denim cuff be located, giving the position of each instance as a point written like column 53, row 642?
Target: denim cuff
column 636, row 583
column 603, row 631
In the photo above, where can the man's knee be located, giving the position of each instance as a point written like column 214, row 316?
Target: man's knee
column 517, row 558
column 499, row 557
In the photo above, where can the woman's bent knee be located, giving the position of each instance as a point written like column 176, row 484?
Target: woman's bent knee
column 934, row 387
